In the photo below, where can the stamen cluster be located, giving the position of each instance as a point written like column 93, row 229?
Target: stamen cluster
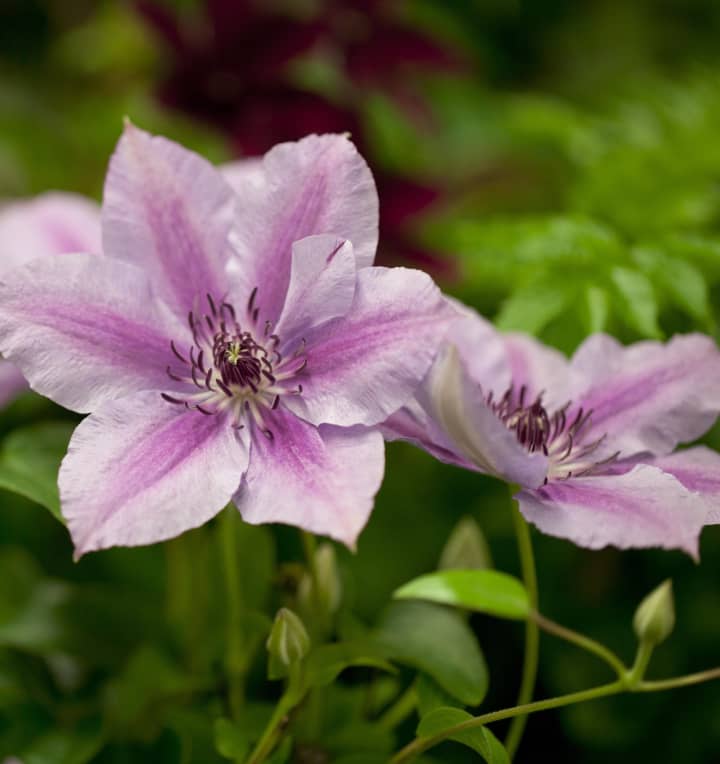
column 231, row 368
column 558, row 435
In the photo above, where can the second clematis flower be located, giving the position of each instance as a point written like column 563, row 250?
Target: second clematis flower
column 233, row 343
column 589, row 441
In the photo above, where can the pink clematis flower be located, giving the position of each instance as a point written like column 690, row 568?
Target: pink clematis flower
column 590, row 441
column 230, row 345
column 53, row 223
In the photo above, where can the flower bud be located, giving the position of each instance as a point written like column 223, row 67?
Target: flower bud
column 329, row 585
column 466, row 548
column 655, row 617
column 287, row 644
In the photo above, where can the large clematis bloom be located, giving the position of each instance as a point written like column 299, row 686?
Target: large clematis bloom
column 53, row 223
column 231, row 345
column 589, row 441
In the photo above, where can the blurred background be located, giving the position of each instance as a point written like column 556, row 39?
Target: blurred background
column 556, row 164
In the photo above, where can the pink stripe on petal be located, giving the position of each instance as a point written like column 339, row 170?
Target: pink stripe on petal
column 319, row 185
column 641, row 508
column 648, row 396
column 362, row 368
column 168, row 211
column 323, row 480
column 140, row 470
column 84, row 329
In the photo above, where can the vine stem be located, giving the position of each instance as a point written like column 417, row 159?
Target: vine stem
column 532, row 632
column 624, row 684
column 586, row 643
column 234, row 659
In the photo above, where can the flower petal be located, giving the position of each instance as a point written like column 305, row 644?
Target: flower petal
column 140, row 470
column 322, row 285
column 540, row 369
column 50, row 224
column 243, row 173
column 641, row 508
column 12, row 382
column 84, row 329
column 317, row 185
column 648, row 396
column 169, row 211
column 698, row 469
column 321, row 479
column 458, row 404
column 363, row 367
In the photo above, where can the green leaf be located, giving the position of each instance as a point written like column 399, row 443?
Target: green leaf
column 435, row 640
column 230, row 740
column 326, row 662
column 480, row 739
column 30, row 459
column 682, row 282
column 486, row 591
column 638, row 300
column 532, row 307
column 596, row 308
column 430, row 695
column 61, row 746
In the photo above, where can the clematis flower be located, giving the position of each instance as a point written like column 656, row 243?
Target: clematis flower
column 229, row 346
column 53, row 223
column 589, row 441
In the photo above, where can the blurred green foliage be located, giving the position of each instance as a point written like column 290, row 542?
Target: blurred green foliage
column 579, row 159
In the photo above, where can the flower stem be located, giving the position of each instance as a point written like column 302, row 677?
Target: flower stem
column 234, row 659
column 624, row 684
column 424, row 743
column 532, row 633
column 586, row 643
column 637, row 672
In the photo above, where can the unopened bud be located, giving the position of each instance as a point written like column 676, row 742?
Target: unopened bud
column 287, row 644
column 466, row 548
column 655, row 617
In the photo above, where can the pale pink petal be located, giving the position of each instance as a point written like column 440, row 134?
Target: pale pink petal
column 85, row 329
column 53, row 223
column 243, row 173
column 641, row 508
column 323, row 480
column 540, row 369
column 362, row 368
column 168, row 211
column 140, row 470
column 414, row 424
column 648, row 396
column 322, row 285
column 317, row 185
column 482, row 349
column 698, row 469
column 12, row 382
column 457, row 403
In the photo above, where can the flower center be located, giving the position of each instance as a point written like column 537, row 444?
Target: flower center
column 233, row 369
column 561, row 437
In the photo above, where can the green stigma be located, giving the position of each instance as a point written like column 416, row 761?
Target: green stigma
column 233, row 354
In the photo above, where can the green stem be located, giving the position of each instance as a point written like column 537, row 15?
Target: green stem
column 586, row 643
column 293, row 696
column 421, row 744
column 234, row 656
column 532, row 633
column 642, row 658
column 626, row 683
column 657, row 685
column 399, row 710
